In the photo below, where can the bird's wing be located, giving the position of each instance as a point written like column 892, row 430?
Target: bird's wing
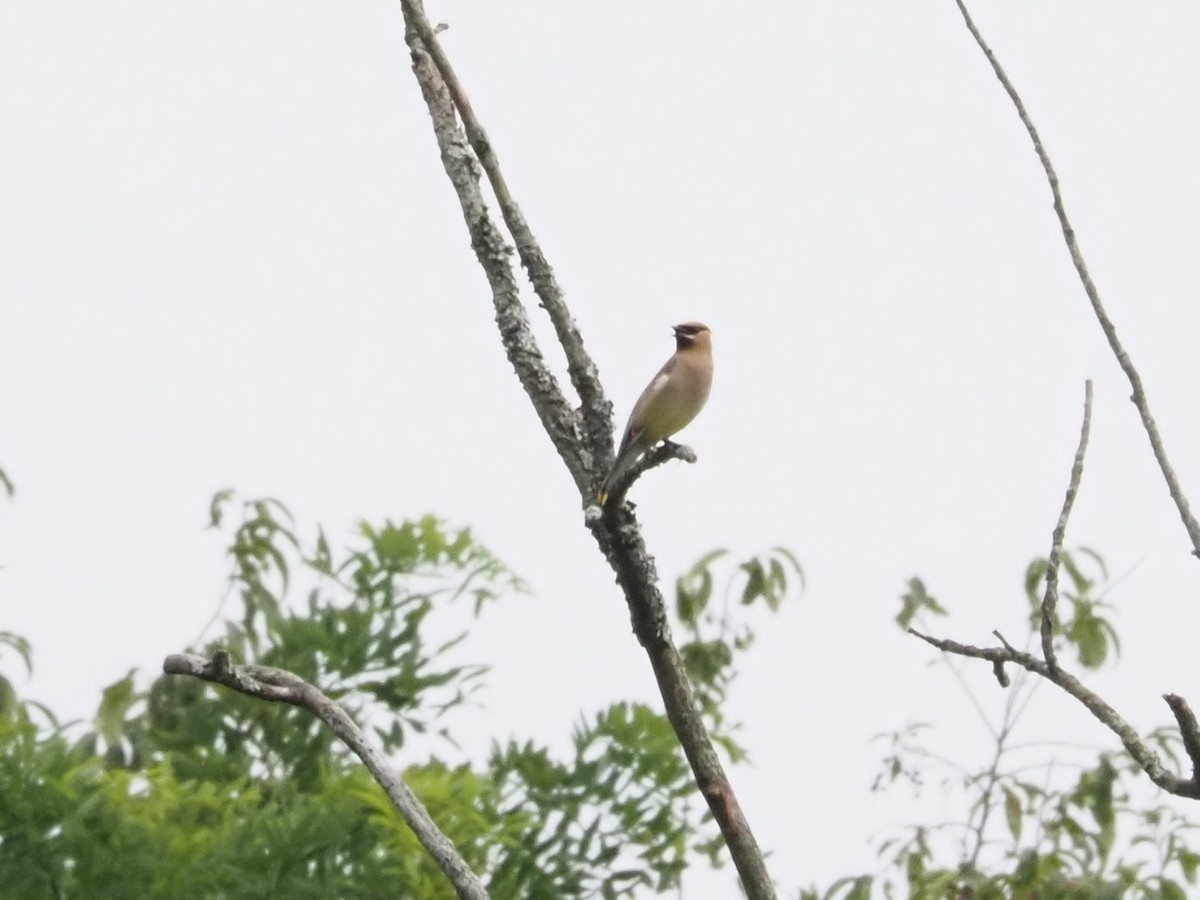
column 653, row 389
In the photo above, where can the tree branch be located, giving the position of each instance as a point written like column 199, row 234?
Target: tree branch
column 1106, row 324
column 280, row 686
column 653, row 458
column 1138, row 749
column 1050, row 599
column 1189, row 730
column 560, row 422
column 620, row 539
column 595, row 407
column 589, row 453
column 1049, row 668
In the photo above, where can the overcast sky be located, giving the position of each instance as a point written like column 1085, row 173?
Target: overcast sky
column 229, row 258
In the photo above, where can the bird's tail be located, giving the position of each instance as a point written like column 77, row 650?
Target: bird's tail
column 620, row 467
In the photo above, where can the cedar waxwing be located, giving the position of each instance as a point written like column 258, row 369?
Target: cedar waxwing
column 669, row 402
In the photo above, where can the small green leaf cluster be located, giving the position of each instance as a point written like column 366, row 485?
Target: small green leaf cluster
column 715, row 634
column 1082, row 623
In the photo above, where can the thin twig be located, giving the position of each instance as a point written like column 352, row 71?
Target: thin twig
column 1109, row 717
column 1106, row 324
column 595, row 407
column 281, row 686
column 992, row 776
column 978, row 707
column 1050, row 599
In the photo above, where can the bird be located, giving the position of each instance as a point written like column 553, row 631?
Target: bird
column 670, row 401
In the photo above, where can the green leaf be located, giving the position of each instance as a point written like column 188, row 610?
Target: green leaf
column 855, row 887
column 117, row 700
column 693, row 590
column 21, row 645
column 756, row 581
column 1034, row 575
column 1097, row 559
column 1012, row 813
column 792, row 561
column 1081, row 583
column 216, row 507
column 1089, row 635
column 1189, row 862
column 915, row 601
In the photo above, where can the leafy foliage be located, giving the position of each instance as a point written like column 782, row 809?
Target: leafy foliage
column 187, row 790
column 714, row 637
column 915, row 601
column 184, row 790
column 1024, row 833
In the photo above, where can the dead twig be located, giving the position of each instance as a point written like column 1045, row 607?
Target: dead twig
column 1050, row 599
column 595, row 407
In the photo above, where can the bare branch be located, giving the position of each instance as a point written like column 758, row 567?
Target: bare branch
column 1050, row 600
column 620, row 538
column 558, row 419
column 1106, row 324
column 587, row 454
column 1109, row 717
column 595, row 407
column 281, row 686
column 1189, row 730
column 661, row 453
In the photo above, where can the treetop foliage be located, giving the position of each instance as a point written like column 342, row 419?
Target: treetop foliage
column 182, row 789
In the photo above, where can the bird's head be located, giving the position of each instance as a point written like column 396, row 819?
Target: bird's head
column 691, row 334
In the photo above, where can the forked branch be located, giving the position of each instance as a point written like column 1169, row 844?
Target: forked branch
column 1137, row 747
column 594, row 406
column 1048, row 667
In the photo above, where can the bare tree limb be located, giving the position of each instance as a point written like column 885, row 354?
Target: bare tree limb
column 620, row 538
column 1106, row 324
column 280, row 686
column 584, row 441
column 558, row 419
column 653, row 458
column 595, row 407
column 1050, row 599
column 1189, row 730
column 1138, row 749
column 1049, row 668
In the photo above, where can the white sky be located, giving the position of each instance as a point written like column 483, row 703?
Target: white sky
column 230, row 259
